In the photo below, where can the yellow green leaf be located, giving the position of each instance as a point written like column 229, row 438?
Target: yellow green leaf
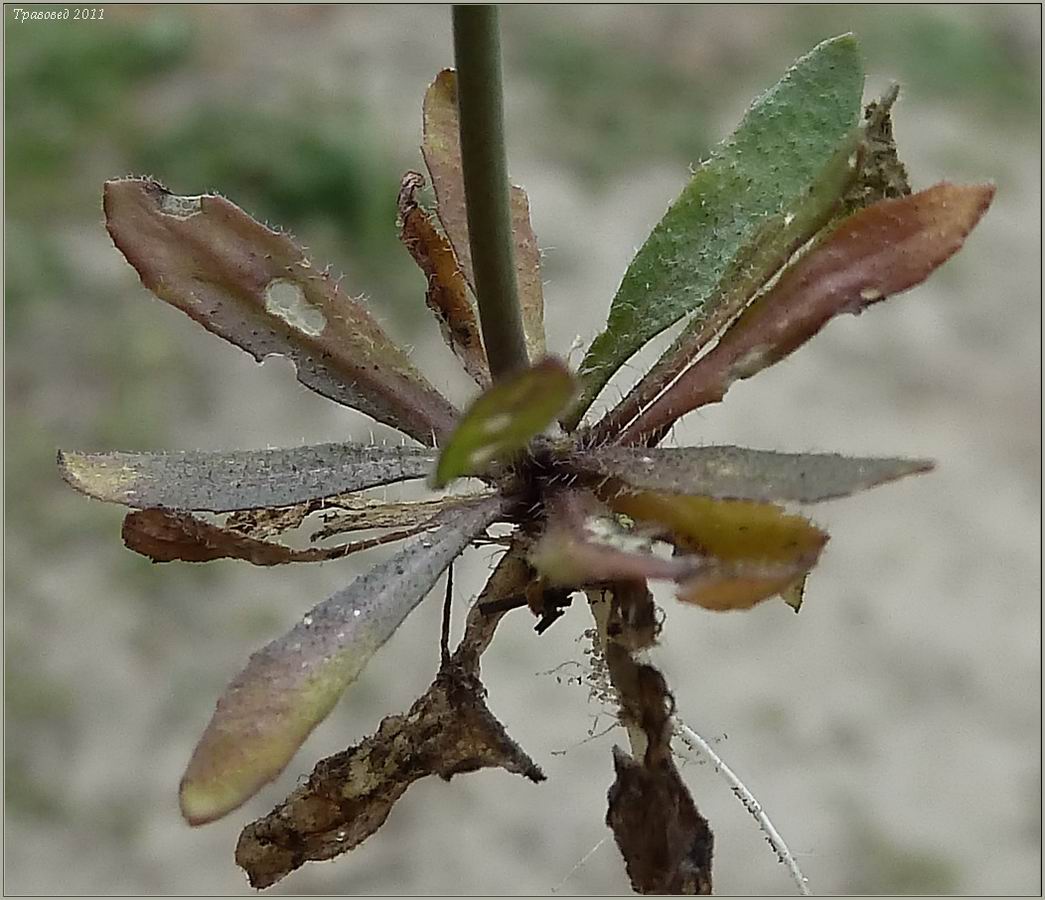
column 504, row 419
column 764, row 550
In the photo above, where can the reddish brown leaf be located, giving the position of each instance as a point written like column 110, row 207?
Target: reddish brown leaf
column 879, row 251
column 441, row 147
column 166, row 535
column 448, row 295
column 255, row 288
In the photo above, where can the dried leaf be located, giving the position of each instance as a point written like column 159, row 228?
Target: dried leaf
column 359, row 514
column 239, row 479
column 760, row 551
column 448, row 294
column 255, row 288
column 267, row 522
column 882, row 174
column 291, row 685
column 441, row 148
column 528, row 274
column 875, row 253
column 166, row 535
column 448, row 731
column 738, row 473
column 504, row 419
column 753, row 192
column 794, row 594
column 582, row 544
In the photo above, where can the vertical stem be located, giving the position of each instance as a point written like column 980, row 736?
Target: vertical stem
column 477, row 55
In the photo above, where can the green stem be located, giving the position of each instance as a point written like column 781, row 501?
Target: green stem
column 477, row 55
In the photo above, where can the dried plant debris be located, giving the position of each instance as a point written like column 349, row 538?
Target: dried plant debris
column 882, row 174
column 255, row 288
column 290, row 686
column 355, row 514
column 738, row 473
column 448, row 296
column 240, row 479
column 441, row 148
column 166, row 535
column 448, row 731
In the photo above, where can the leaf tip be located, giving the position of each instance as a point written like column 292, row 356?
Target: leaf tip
column 202, row 803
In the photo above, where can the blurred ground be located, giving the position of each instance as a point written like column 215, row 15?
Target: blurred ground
column 892, row 730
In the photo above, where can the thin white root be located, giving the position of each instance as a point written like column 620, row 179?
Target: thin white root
column 695, row 743
column 580, row 863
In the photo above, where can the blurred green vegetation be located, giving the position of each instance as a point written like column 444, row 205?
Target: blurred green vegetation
column 605, row 111
column 613, row 99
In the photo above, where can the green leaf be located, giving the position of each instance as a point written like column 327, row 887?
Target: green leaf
column 797, row 138
column 290, row 686
column 255, row 288
column 239, row 479
column 738, row 473
column 504, row 419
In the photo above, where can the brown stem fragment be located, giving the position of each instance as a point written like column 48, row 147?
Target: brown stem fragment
column 666, row 843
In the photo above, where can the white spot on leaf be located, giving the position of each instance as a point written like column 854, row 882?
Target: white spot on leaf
column 180, row 207
column 286, row 299
column 497, row 423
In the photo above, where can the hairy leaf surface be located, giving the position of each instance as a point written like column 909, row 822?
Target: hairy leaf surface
column 255, row 288
column 763, row 191
column 737, row 473
column 239, row 479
